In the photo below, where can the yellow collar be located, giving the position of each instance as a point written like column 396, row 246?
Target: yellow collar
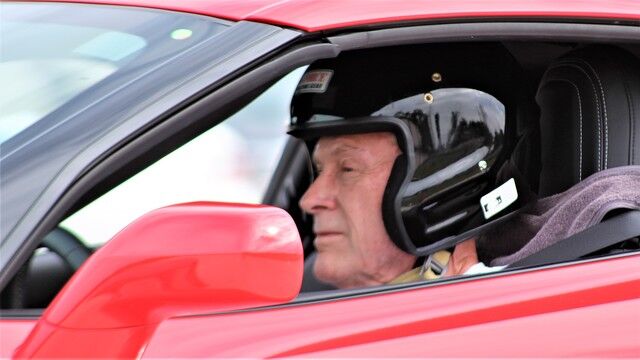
column 439, row 260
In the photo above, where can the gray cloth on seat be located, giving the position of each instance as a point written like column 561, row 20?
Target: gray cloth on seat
column 548, row 220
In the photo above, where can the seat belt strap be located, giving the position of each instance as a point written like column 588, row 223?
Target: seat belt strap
column 609, row 232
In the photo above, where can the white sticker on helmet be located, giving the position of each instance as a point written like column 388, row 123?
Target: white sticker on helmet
column 499, row 199
column 315, row 81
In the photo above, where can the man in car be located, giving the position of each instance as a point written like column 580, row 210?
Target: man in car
column 400, row 170
column 352, row 244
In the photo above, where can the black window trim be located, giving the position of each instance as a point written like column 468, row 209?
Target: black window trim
column 489, row 31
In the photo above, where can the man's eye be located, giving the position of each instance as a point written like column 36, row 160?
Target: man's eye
column 347, row 169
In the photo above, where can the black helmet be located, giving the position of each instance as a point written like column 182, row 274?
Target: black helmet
column 451, row 131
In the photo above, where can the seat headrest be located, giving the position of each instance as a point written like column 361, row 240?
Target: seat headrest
column 589, row 115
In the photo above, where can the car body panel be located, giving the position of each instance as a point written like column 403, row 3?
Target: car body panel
column 13, row 333
column 592, row 331
column 403, row 323
column 318, row 15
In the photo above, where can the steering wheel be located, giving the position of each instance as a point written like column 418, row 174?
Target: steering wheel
column 67, row 246
column 42, row 274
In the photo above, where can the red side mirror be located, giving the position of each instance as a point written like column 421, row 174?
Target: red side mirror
column 179, row 260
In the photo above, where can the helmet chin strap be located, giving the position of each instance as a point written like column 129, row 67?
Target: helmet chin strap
column 436, row 263
column 426, row 265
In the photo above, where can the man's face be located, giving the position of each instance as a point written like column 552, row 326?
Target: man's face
column 345, row 200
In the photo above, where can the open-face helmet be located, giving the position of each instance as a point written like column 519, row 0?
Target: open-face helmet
column 451, row 129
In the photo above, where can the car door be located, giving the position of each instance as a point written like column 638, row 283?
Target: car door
column 584, row 309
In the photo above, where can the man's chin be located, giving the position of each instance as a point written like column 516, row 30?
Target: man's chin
column 326, row 272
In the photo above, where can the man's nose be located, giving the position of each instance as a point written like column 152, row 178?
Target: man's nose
column 320, row 195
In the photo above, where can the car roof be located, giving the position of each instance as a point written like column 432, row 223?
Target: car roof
column 318, row 15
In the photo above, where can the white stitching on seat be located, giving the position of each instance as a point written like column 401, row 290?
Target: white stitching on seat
column 580, row 114
column 632, row 125
column 604, row 108
column 568, row 63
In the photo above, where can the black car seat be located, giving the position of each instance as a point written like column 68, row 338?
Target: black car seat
column 589, row 102
column 589, row 115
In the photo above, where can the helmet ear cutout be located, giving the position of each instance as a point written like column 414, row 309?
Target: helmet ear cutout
column 391, row 201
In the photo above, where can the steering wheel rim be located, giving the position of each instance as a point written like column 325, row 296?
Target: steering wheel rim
column 68, row 246
column 62, row 243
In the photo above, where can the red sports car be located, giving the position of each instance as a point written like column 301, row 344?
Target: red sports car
column 110, row 109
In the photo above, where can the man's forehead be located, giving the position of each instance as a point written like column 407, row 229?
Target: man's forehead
column 327, row 149
column 355, row 144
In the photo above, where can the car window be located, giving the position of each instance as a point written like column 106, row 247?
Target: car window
column 231, row 162
column 51, row 53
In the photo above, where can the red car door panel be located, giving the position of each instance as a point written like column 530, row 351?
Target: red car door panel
column 571, row 333
column 515, row 309
column 12, row 334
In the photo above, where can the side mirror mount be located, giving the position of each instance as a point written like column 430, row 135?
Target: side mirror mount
column 179, row 260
